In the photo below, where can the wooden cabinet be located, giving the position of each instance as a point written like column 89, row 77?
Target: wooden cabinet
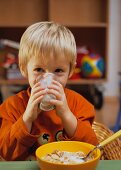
column 87, row 19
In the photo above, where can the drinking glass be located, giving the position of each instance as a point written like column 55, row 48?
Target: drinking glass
column 45, row 80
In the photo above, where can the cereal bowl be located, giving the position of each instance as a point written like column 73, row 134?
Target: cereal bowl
column 67, row 146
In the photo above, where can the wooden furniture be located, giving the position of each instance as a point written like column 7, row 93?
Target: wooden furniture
column 88, row 20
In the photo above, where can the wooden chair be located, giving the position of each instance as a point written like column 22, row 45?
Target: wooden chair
column 111, row 151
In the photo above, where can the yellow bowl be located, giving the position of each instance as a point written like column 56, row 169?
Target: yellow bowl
column 70, row 146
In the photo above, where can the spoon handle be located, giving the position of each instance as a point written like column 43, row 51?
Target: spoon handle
column 111, row 138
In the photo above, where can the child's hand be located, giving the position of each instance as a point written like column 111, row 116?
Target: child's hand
column 32, row 109
column 62, row 109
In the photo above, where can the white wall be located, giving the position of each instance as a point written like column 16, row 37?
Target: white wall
column 114, row 60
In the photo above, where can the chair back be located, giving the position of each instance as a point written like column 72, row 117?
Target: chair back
column 111, row 151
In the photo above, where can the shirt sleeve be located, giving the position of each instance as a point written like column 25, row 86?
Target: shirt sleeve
column 15, row 140
column 85, row 114
column 83, row 133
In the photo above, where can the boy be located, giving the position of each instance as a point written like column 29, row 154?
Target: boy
column 45, row 47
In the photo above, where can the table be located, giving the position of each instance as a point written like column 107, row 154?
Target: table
column 32, row 165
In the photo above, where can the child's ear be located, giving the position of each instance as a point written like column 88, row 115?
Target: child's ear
column 24, row 73
column 72, row 70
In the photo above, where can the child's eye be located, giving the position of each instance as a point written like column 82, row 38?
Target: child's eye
column 58, row 70
column 39, row 70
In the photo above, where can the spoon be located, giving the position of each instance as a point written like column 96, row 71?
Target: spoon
column 103, row 143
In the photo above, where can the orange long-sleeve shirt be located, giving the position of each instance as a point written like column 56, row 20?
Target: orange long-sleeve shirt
column 16, row 143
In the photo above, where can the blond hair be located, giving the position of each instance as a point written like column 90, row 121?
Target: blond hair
column 44, row 39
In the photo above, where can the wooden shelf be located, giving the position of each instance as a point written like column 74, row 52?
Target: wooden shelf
column 13, row 82
column 89, row 25
column 87, row 19
column 86, row 81
column 70, row 82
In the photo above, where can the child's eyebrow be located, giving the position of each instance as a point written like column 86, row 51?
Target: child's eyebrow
column 37, row 66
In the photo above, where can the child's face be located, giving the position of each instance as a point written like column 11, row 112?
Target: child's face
column 60, row 67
